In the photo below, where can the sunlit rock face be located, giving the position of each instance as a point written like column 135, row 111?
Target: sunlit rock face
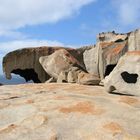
column 67, row 112
column 134, row 40
column 125, row 78
column 99, row 59
column 25, row 62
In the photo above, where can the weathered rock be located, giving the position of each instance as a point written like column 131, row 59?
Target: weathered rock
column 62, row 77
column 67, row 112
column 72, row 76
column 125, row 78
column 88, row 79
column 59, row 62
column 25, row 62
column 99, row 59
column 134, row 41
column 91, row 60
column 109, row 55
column 111, row 37
column 51, row 80
column 103, row 57
column 111, row 47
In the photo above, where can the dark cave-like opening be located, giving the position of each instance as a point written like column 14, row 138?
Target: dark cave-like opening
column 28, row 74
column 129, row 78
column 109, row 69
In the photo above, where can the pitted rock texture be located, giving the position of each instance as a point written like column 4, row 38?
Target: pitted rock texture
column 125, row 78
column 67, row 112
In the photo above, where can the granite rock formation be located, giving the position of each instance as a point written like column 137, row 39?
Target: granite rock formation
column 63, row 67
column 25, row 62
column 50, row 111
column 134, row 41
column 96, row 60
column 125, row 78
column 100, row 59
column 67, row 112
column 60, row 61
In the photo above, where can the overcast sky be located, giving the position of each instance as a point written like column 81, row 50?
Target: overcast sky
column 28, row 23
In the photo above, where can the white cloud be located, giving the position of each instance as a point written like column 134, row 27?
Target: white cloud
column 19, row 13
column 6, row 47
column 128, row 11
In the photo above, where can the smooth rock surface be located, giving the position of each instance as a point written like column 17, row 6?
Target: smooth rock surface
column 60, row 61
column 67, row 112
column 91, row 60
column 125, row 78
column 134, row 40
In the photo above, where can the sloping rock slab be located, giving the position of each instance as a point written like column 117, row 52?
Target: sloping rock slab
column 67, row 112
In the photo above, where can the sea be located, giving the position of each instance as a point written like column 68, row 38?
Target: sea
column 15, row 80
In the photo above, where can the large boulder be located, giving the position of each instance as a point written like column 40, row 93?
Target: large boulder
column 65, row 68
column 91, row 59
column 58, row 62
column 100, row 59
column 109, row 55
column 125, row 78
column 25, row 62
column 88, row 79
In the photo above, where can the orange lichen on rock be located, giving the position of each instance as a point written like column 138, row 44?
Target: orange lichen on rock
column 118, row 48
column 82, row 107
column 60, row 97
column 114, row 127
column 133, row 53
column 128, row 100
column 30, row 101
column 8, row 129
column 106, row 44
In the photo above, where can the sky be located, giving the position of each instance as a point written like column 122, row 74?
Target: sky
column 32, row 23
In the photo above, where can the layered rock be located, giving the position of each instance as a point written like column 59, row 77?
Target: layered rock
column 125, row 78
column 67, row 112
